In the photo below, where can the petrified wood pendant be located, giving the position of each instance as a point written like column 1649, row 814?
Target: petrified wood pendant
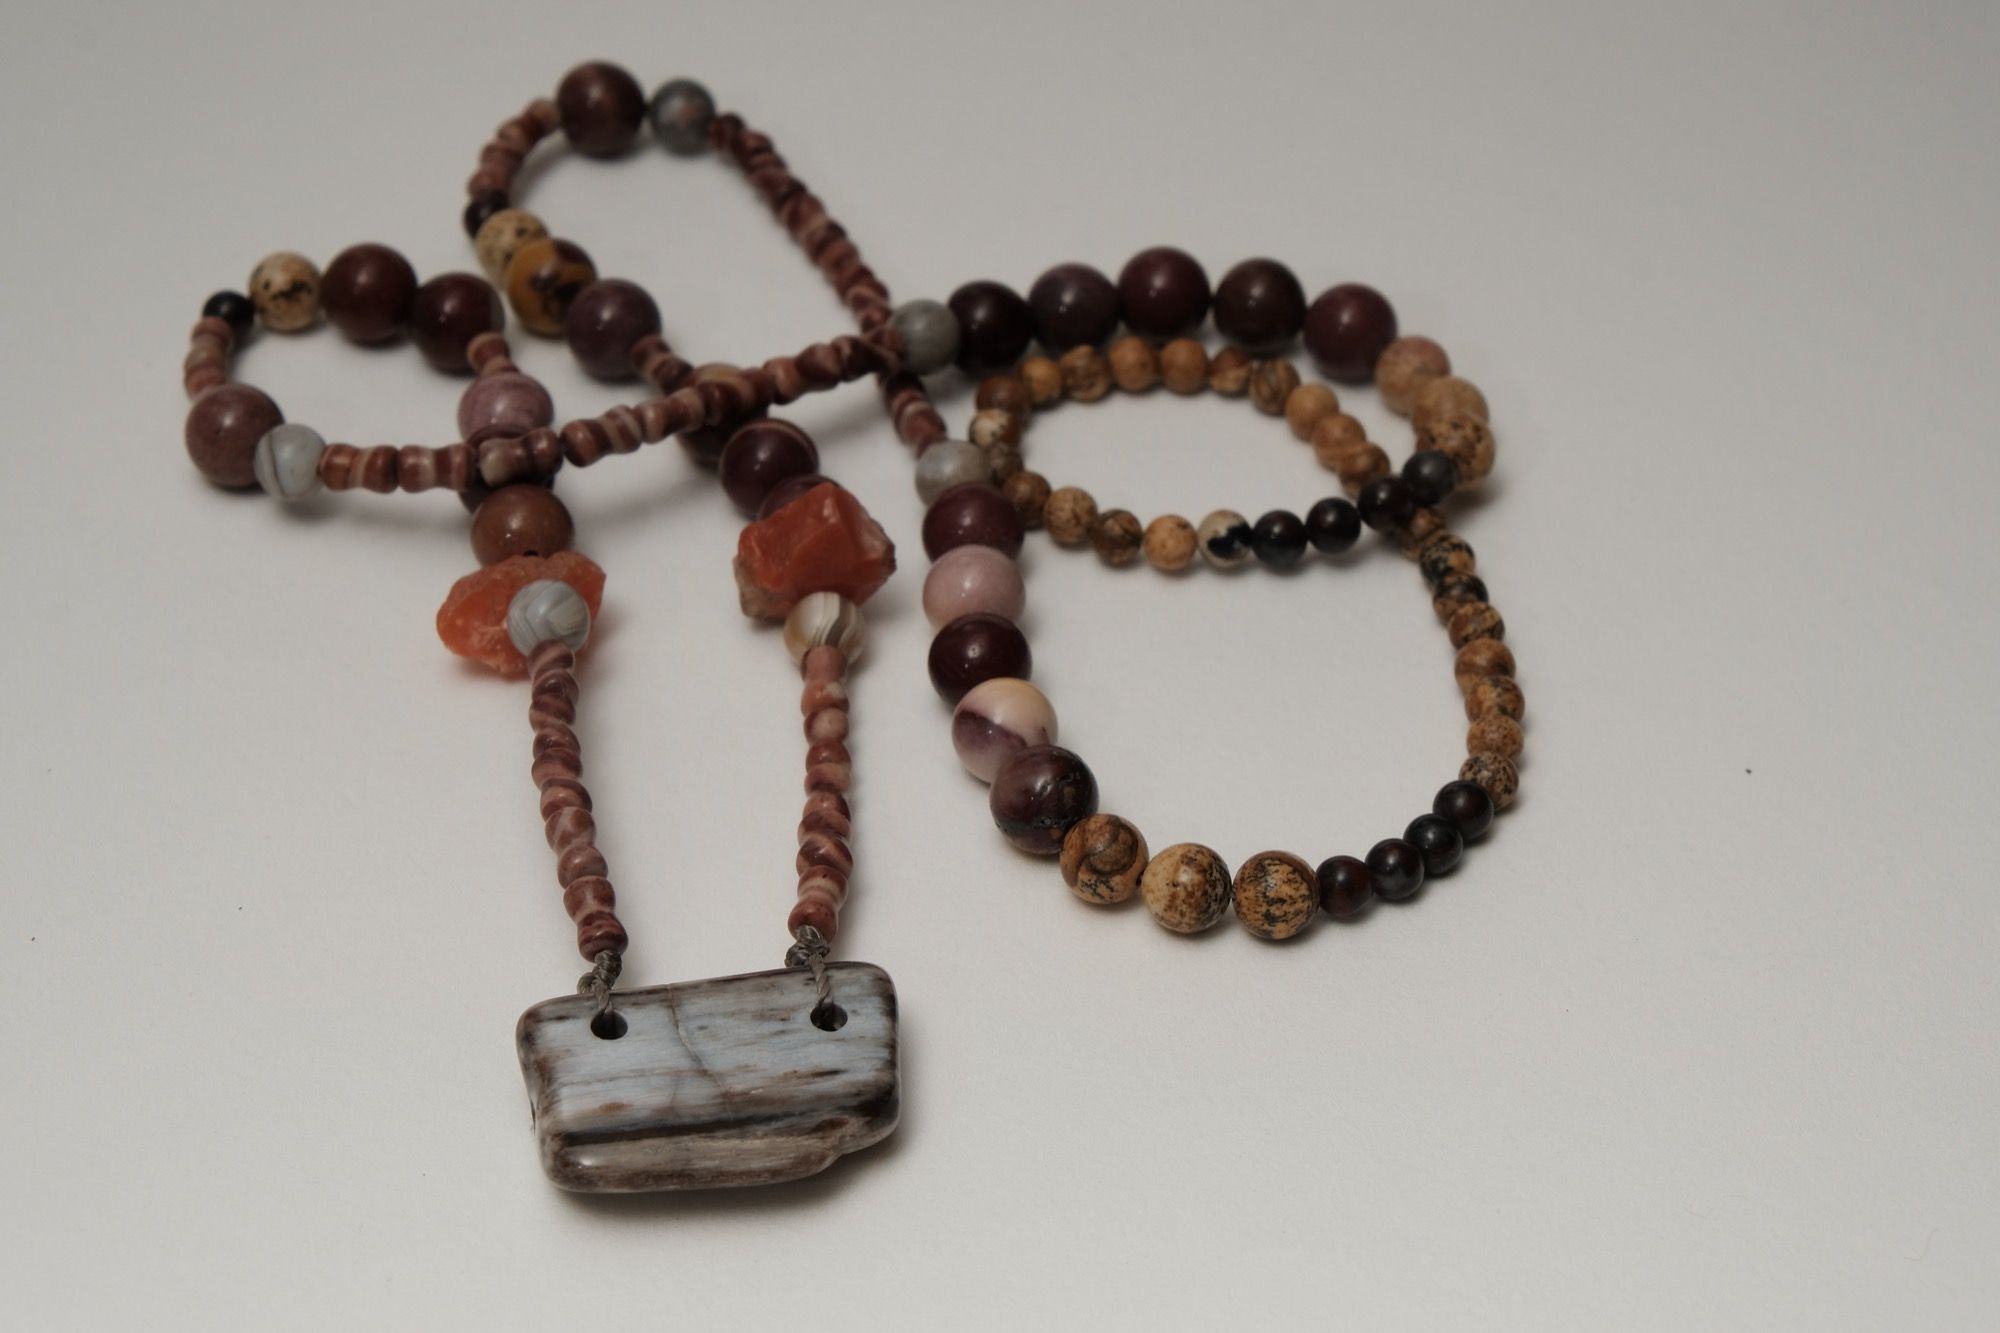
column 730, row 1081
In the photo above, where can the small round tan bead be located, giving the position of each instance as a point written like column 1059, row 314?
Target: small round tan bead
column 1446, row 553
column 1271, row 383
column 1005, row 392
column 1116, row 537
column 1103, row 858
column 1475, row 620
column 1481, row 658
column 1002, row 460
column 501, row 235
column 1496, row 773
column 1170, row 543
column 1464, row 439
column 1028, row 492
column 1229, row 372
column 1186, row 887
column 994, row 425
column 1043, row 378
column 1071, row 513
column 1491, row 695
column 1494, row 734
column 1361, row 465
column 1086, row 374
column 1184, row 366
column 1446, row 396
column 1425, row 524
column 1335, row 435
column 1135, row 366
column 285, row 289
column 1405, row 366
column 1276, row 895
column 1309, row 405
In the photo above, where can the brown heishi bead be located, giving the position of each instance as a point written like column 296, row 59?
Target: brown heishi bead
column 1086, row 374
column 1308, row 405
column 1475, row 620
column 1495, row 733
column 1135, row 366
column 601, row 106
column 366, row 292
column 546, row 275
column 1229, row 372
column 1276, row 895
column 1496, row 773
column 520, row 520
column 603, row 323
column 448, row 312
column 1495, row 695
column 1103, row 858
column 1184, row 366
column 1271, row 383
column 1346, row 329
column 1071, row 513
column 1116, row 537
column 1029, row 493
column 222, row 431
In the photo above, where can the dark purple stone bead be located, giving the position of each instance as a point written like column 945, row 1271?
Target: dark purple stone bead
column 1346, row 887
column 1333, row 525
column 1398, row 869
column 481, row 207
column 1039, row 795
column 448, row 312
column 994, row 326
column 603, row 323
column 972, row 514
column 759, row 456
column 235, row 309
column 1387, row 503
column 366, row 292
column 222, row 431
column 1259, row 306
column 1467, row 805
column 1163, row 293
column 980, row 647
column 788, row 490
column 1074, row 305
column 1438, row 841
column 601, row 107
column 1346, row 329
column 1431, row 474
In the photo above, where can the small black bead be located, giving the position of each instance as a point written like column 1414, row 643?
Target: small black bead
column 1431, row 474
column 1467, row 805
column 1333, row 525
column 1438, row 840
column 1387, row 503
column 1279, row 538
column 1346, row 887
column 1398, row 869
column 233, row 308
column 483, row 206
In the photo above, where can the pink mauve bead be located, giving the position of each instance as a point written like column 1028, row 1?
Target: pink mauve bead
column 966, row 579
column 501, row 406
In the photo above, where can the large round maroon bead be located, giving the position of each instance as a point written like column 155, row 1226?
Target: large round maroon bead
column 759, row 456
column 366, row 292
column 1163, row 293
column 503, row 406
column 1074, row 306
column 223, row 428
column 603, row 323
column 972, row 514
column 601, row 107
column 448, row 312
column 1039, row 795
column 977, row 648
column 1259, row 306
column 1346, row 329
column 994, row 326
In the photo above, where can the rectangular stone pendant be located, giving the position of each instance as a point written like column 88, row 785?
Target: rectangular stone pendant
column 728, row 1081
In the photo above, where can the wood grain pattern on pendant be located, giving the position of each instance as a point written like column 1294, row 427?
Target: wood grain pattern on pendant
column 728, row 1081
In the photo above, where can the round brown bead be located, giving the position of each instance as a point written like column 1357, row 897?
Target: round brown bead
column 1259, row 306
column 1334, row 435
column 601, row 106
column 1445, row 396
column 1276, row 895
column 1005, row 392
column 222, row 431
column 501, row 235
column 1361, row 465
column 1405, row 366
column 1271, row 383
column 1042, row 378
column 1039, row 795
column 994, row 425
column 1135, row 366
column 1494, row 695
column 1029, row 493
column 1170, row 543
column 1464, row 439
column 1481, row 658
column 1445, row 554
column 285, row 289
column 1103, row 858
column 1229, row 372
column 448, row 312
column 604, row 322
column 971, row 514
column 1003, row 460
column 367, row 291
column 545, row 276
column 520, row 520
column 1496, row 773
column 1071, row 514
column 1184, row 366
column 1495, row 733
column 1186, row 887
column 1116, row 537
column 1475, row 620
column 1307, row 406
column 1086, row 374
column 1346, row 329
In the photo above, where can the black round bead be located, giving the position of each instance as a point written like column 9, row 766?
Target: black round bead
column 1333, row 525
column 1278, row 538
column 1398, row 869
column 1438, row 840
column 1387, row 503
column 481, row 207
column 994, row 326
column 1346, row 887
column 232, row 308
column 1431, row 474
column 1467, row 805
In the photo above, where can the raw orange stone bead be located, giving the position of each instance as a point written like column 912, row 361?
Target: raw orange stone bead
column 824, row 541
column 473, row 620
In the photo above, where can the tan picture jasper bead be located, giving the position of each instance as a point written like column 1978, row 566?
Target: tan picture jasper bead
column 1481, row 658
column 1475, row 620
column 1309, row 405
column 1425, row 524
column 1135, row 366
column 1170, row 543
column 544, row 276
column 1496, row 773
column 1361, row 465
column 1271, row 383
column 1464, row 439
column 1186, row 887
column 1103, row 858
column 1116, row 537
column 1404, row 367
column 1070, row 514
column 1276, row 895
column 1005, row 392
column 285, row 289
column 1086, row 374
column 1028, row 492
column 1003, row 460
column 501, row 235
column 1043, row 378
column 1494, row 734
column 1184, row 366
column 1494, row 694
column 1447, row 395
column 994, row 425
column 1229, row 372
column 1334, row 435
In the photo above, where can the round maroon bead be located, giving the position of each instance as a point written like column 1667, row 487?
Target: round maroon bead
column 1163, row 293
column 1346, row 887
column 1346, row 329
column 448, row 312
column 603, row 323
column 502, row 407
column 790, row 489
column 601, row 107
column 980, row 647
column 1259, row 306
column 972, row 514
column 520, row 520
column 1039, row 795
column 1074, row 306
column 223, row 428
column 994, row 326
column 759, row 456
column 366, row 292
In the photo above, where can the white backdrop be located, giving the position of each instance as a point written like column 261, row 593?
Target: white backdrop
column 1702, row 1037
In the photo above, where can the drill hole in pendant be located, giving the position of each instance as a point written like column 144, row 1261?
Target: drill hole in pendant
column 608, row 1026
column 828, row 1017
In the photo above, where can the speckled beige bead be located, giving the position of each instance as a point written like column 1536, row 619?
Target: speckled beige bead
column 1443, row 555
column 1184, row 366
column 1186, row 887
column 994, row 425
column 1494, row 694
column 1086, row 374
column 501, row 235
column 1309, row 405
column 1445, row 396
column 1359, row 466
column 1495, row 772
column 1170, row 543
column 1271, row 383
column 1116, row 537
column 1103, row 858
column 1003, row 391
column 1043, row 378
column 1425, row 524
column 1070, row 514
column 285, row 289
column 1405, row 366
column 1003, row 460
column 1482, row 658
column 1229, row 372
column 1473, row 621
column 1028, row 492
column 1135, row 366
column 1464, row 439
column 1334, row 436
column 1276, row 895
column 1494, row 733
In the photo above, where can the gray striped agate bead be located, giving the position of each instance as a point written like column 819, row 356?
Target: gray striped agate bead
column 681, row 112
column 930, row 335
column 286, row 461
column 823, row 618
column 545, row 610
